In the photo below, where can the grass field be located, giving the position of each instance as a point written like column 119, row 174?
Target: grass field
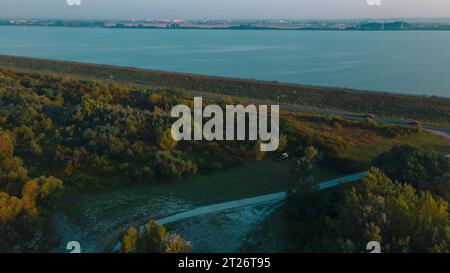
column 367, row 152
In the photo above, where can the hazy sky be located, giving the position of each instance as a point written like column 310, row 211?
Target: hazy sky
column 224, row 9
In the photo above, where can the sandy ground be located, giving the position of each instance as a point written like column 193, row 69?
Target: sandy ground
column 225, row 231
column 101, row 232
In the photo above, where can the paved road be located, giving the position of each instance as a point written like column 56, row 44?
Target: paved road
column 258, row 200
column 311, row 109
column 269, row 198
column 275, row 197
column 341, row 181
column 440, row 133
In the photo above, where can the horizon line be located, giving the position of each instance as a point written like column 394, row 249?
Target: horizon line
column 228, row 19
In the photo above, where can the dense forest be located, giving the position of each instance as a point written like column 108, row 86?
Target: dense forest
column 92, row 136
column 61, row 134
column 402, row 203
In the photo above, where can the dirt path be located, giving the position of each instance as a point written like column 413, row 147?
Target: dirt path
column 258, row 200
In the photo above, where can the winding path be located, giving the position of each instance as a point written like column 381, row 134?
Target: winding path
column 258, row 200
column 441, row 134
column 269, row 198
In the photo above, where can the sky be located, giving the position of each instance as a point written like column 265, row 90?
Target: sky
column 224, row 9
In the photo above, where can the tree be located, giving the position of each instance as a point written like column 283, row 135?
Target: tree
column 154, row 99
column 424, row 170
column 158, row 123
column 304, row 165
column 173, row 164
column 50, row 191
column 258, row 154
column 166, row 141
column 176, row 244
column 228, row 100
column 130, row 240
column 395, row 214
column 155, row 237
column 29, row 198
column 10, row 207
column 22, row 219
column 441, row 186
column 6, row 144
column 13, row 175
column 283, row 143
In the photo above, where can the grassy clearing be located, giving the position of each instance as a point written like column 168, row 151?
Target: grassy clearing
column 98, row 214
column 367, row 152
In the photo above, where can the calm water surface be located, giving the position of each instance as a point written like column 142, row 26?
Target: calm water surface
column 416, row 62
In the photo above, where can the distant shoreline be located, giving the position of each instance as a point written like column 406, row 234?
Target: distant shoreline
column 238, row 28
column 293, row 25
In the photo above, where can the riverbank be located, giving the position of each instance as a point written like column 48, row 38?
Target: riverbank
column 425, row 108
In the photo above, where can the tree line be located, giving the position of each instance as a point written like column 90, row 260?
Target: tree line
column 402, row 203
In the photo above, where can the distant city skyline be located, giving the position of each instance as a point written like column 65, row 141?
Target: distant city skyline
column 224, row 9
